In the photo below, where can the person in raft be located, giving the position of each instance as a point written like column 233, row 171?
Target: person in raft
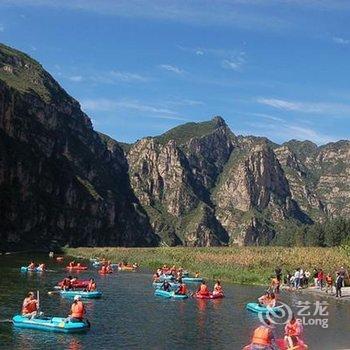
column 66, row 283
column 203, row 289
column 77, row 310
column 268, row 300
column 293, row 331
column 166, row 286
column 31, row 266
column 104, row 269
column 275, row 285
column 71, row 264
column 218, row 288
column 30, row 306
column 91, row 286
column 42, row 267
column 182, row 289
column 263, row 338
column 109, row 267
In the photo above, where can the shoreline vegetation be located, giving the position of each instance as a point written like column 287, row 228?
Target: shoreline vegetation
column 240, row 265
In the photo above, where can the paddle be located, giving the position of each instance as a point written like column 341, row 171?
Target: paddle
column 38, row 299
column 54, row 292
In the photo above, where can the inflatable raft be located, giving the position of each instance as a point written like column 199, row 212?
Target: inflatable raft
column 255, row 307
column 76, row 284
column 76, row 268
column 168, row 278
column 282, row 346
column 164, row 294
column 26, row 269
column 210, row 296
column 192, row 279
column 173, row 285
column 53, row 324
column 85, row 295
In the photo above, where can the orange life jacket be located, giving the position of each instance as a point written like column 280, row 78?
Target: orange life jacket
column 275, row 282
column 329, row 280
column 218, row 288
column 203, row 290
column 292, row 329
column 77, row 310
column 29, row 306
column 182, row 289
column 261, row 336
column 91, row 286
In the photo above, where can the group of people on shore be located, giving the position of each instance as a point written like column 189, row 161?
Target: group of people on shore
column 300, row 278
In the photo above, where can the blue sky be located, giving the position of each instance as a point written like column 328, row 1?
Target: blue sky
column 274, row 68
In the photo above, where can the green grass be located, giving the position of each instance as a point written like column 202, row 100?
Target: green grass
column 183, row 133
column 243, row 265
column 27, row 75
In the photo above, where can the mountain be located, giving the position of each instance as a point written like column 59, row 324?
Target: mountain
column 60, row 181
column 198, row 184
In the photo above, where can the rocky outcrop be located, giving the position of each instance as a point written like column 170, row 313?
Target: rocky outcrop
column 59, row 183
column 197, row 184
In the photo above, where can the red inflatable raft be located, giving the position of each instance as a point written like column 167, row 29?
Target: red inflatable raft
column 76, row 267
column 210, row 296
column 76, row 284
column 282, row 346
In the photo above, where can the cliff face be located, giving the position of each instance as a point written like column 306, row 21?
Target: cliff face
column 202, row 185
column 60, row 183
column 197, row 184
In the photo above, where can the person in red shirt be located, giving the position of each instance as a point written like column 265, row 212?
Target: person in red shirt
column 203, row 289
column 182, row 289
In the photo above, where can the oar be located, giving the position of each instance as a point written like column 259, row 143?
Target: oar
column 54, row 292
column 38, row 299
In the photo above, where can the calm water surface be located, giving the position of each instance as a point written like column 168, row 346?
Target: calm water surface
column 130, row 317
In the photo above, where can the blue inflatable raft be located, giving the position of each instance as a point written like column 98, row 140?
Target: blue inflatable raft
column 53, row 324
column 85, row 295
column 26, row 269
column 192, row 279
column 164, row 294
column 173, row 285
column 255, row 307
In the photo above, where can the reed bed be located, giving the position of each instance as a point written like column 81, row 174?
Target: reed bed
column 243, row 265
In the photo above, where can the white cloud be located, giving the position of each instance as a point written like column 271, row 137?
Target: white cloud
column 341, row 41
column 236, row 13
column 328, row 108
column 282, row 130
column 172, row 68
column 76, row 78
column 110, row 77
column 111, row 105
column 127, row 76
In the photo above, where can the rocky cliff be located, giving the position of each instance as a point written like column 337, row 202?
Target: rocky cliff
column 196, row 185
column 60, row 182
column 202, row 185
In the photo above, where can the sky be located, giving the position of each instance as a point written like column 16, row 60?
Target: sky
column 274, row 68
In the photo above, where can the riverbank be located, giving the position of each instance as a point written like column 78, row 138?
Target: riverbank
column 243, row 265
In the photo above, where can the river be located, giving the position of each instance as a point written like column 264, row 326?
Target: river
column 129, row 316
